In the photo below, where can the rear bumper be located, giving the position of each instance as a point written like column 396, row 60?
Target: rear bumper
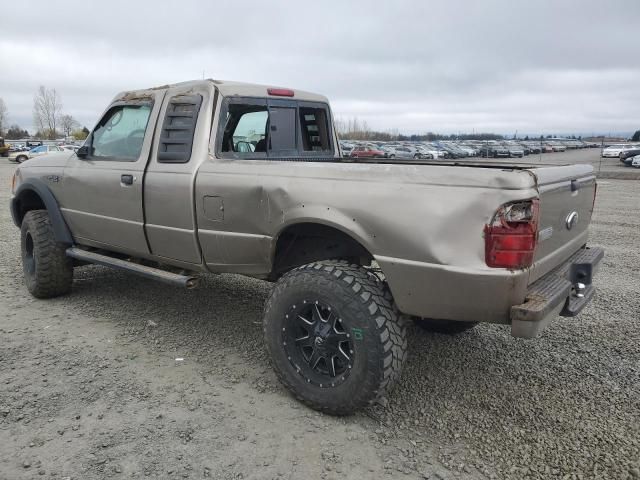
column 555, row 294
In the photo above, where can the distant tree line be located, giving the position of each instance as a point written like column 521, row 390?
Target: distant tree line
column 48, row 118
column 355, row 129
column 636, row 136
column 15, row 132
column 4, row 115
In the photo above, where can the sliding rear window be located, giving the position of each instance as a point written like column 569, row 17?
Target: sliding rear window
column 262, row 128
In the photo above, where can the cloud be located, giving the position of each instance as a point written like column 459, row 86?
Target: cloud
column 444, row 66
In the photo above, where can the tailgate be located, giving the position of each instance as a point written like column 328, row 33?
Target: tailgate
column 566, row 202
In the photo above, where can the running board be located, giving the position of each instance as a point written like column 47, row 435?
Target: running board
column 185, row 281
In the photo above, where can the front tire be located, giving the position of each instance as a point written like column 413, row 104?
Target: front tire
column 334, row 337
column 21, row 158
column 48, row 272
column 448, row 327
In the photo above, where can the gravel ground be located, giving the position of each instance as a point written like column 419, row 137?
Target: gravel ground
column 90, row 386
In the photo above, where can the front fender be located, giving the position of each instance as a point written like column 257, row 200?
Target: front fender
column 39, row 188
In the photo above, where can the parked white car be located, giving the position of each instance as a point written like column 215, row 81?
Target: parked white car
column 472, row 152
column 405, row 151
column 613, row 151
column 70, row 148
column 34, row 152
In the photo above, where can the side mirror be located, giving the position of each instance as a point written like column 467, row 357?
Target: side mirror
column 83, row 151
column 243, row 147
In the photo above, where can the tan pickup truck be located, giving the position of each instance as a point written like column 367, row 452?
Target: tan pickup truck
column 214, row 176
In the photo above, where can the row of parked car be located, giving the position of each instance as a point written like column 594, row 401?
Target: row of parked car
column 629, row 154
column 457, row 149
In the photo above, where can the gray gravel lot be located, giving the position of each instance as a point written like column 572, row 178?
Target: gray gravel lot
column 90, row 386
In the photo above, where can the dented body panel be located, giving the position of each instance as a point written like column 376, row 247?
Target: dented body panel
column 422, row 223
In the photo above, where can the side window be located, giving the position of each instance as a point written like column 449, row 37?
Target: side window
column 120, row 133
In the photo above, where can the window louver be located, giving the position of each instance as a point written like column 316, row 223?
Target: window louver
column 176, row 138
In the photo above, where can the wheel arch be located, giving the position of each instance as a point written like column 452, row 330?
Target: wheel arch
column 315, row 239
column 33, row 194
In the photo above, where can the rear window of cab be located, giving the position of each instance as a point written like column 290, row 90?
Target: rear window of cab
column 262, row 128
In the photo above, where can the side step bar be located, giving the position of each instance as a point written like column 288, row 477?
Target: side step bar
column 185, row 281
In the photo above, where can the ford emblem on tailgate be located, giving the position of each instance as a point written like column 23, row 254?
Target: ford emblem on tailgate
column 571, row 220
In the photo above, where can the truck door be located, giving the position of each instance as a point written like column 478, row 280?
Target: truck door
column 181, row 145
column 101, row 195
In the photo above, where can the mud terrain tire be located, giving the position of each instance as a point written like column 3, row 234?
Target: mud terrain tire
column 344, row 314
column 48, row 272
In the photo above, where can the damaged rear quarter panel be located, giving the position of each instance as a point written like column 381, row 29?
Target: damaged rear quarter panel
column 406, row 216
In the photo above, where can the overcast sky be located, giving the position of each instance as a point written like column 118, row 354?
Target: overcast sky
column 443, row 66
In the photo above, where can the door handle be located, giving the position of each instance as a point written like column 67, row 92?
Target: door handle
column 126, row 179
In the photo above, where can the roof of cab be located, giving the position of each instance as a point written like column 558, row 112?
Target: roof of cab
column 229, row 89
column 242, row 89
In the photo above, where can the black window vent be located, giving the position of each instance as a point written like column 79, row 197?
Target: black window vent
column 176, row 138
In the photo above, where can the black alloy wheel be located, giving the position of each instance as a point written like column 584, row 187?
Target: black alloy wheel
column 317, row 344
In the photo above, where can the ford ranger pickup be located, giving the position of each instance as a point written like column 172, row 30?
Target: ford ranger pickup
column 179, row 181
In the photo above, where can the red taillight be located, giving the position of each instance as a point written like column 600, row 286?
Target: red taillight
column 280, row 92
column 511, row 236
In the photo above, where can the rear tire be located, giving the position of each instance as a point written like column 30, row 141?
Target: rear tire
column 448, row 327
column 335, row 339
column 48, row 272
